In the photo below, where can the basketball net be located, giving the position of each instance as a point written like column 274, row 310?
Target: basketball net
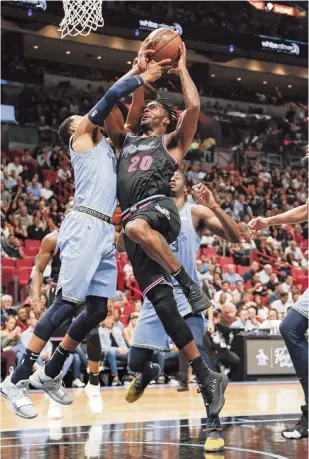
column 81, row 17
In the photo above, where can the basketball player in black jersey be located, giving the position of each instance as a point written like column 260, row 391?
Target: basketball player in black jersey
column 49, row 251
column 151, row 219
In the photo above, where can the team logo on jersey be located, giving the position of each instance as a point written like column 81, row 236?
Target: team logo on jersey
column 132, row 149
column 163, row 211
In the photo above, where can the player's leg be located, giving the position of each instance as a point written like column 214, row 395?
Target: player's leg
column 154, row 229
column 293, row 330
column 140, row 361
column 92, row 388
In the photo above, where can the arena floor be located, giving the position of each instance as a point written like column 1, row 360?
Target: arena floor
column 163, row 424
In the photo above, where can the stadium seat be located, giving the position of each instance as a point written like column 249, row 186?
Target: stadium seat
column 226, row 261
column 208, row 252
column 303, row 282
column 7, row 262
column 31, row 243
column 31, row 251
column 7, row 275
column 23, row 275
column 242, row 269
column 25, row 263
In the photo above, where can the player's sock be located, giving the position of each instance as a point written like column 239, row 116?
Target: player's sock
column 94, row 379
column 183, row 278
column 201, row 370
column 55, row 364
column 24, row 369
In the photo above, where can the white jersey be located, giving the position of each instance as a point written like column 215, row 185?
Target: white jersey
column 95, row 173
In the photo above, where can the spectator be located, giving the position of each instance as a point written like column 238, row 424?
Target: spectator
column 7, row 308
column 8, row 180
column 265, row 273
column 5, row 195
column 10, row 335
column 30, row 203
column 114, row 347
column 129, row 330
column 243, row 321
column 35, row 231
column 248, row 276
column 11, row 248
column 34, row 189
column 15, row 166
column 283, row 304
column 252, row 311
column 47, row 192
column 230, row 276
column 236, row 294
column 225, row 289
column 22, row 319
column 273, row 281
column 24, row 218
column 275, row 295
column 64, row 173
column 116, row 317
column 294, row 250
column 79, row 360
column 287, row 284
column 272, row 321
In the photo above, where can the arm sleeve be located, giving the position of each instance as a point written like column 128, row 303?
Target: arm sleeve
column 123, row 87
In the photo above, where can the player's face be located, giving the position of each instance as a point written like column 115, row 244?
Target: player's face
column 177, row 184
column 153, row 116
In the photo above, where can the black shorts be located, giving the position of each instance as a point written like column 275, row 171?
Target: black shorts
column 63, row 328
column 163, row 216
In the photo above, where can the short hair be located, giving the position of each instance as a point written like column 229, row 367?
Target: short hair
column 63, row 131
column 7, row 297
column 171, row 112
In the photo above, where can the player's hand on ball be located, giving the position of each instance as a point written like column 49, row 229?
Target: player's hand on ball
column 257, row 224
column 182, row 63
column 144, row 55
column 203, row 196
column 155, row 70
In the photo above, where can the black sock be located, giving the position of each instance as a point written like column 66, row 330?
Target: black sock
column 183, row 278
column 200, row 369
column 94, row 379
column 55, row 364
column 24, row 369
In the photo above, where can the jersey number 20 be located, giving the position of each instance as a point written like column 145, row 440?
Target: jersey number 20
column 137, row 163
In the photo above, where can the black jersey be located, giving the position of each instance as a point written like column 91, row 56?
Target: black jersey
column 145, row 169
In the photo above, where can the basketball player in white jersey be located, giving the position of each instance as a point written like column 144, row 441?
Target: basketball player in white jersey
column 149, row 334
column 86, row 239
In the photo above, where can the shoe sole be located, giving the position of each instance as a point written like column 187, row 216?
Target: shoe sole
column 40, row 386
column 13, row 409
column 223, row 385
column 132, row 398
column 183, row 390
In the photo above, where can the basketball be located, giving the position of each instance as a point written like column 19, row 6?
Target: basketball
column 165, row 43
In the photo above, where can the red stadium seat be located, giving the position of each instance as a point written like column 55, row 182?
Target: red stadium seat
column 7, row 262
column 25, row 263
column 23, row 276
column 8, row 273
column 242, row 269
column 226, row 261
column 30, row 243
column 31, row 251
column 209, row 252
column 303, row 282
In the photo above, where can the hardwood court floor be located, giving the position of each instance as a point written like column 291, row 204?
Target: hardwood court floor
column 162, row 424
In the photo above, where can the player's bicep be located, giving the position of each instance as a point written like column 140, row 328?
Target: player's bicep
column 210, row 222
column 183, row 135
column 44, row 255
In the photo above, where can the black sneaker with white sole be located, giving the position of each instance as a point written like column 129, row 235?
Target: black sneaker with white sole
column 300, row 430
column 212, row 390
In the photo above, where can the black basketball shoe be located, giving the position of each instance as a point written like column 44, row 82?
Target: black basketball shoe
column 197, row 298
column 137, row 387
column 212, row 390
column 300, row 430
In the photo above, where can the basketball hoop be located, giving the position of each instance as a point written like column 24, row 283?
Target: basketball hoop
column 81, row 17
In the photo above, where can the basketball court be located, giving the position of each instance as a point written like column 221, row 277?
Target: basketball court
column 162, row 424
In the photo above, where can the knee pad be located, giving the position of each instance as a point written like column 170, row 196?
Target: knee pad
column 162, row 298
column 95, row 311
column 60, row 311
column 94, row 345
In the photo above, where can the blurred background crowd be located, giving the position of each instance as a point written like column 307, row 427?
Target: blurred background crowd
column 247, row 150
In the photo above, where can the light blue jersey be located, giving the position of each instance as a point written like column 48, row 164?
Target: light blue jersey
column 187, row 244
column 149, row 332
column 95, row 173
column 86, row 241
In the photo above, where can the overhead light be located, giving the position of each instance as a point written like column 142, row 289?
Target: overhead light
column 129, row 62
column 264, row 82
column 212, row 75
column 35, row 47
column 68, row 52
column 238, row 79
column 99, row 57
column 290, row 86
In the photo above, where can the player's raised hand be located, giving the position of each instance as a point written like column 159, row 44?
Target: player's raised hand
column 155, row 70
column 182, row 63
column 144, row 55
column 203, row 196
column 257, row 224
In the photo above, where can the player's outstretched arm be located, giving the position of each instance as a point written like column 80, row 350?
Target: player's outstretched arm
column 187, row 124
column 209, row 215
column 47, row 248
column 292, row 217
